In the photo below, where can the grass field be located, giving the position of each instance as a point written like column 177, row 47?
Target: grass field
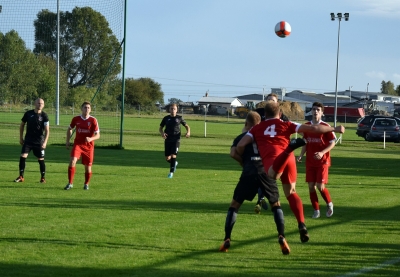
column 135, row 222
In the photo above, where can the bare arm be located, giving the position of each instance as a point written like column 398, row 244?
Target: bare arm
column 303, row 150
column 319, row 155
column 242, row 144
column 236, row 156
column 69, row 134
column 320, row 129
column 46, row 136
column 161, row 131
column 187, row 130
column 95, row 137
column 21, row 132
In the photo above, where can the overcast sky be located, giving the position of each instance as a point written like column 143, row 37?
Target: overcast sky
column 229, row 47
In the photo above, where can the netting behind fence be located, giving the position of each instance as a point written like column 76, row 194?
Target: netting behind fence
column 90, row 54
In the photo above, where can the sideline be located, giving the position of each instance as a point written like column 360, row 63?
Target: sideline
column 372, row 268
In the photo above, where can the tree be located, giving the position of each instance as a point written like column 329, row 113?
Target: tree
column 388, row 88
column 398, row 90
column 87, row 45
column 19, row 70
column 174, row 100
column 143, row 92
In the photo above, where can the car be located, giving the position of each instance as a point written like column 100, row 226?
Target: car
column 365, row 123
column 384, row 128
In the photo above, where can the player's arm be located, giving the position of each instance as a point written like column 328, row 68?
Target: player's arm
column 46, row 134
column 69, row 134
column 21, row 132
column 303, row 151
column 187, row 130
column 236, row 156
column 320, row 129
column 161, row 131
column 242, row 144
column 320, row 154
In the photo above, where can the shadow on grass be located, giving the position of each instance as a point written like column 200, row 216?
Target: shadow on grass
column 373, row 167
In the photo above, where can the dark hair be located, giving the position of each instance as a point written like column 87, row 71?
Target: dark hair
column 318, row 104
column 273, row 95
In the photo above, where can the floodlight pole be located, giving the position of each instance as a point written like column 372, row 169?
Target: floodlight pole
column 339, row 17
column 350, row 93
column 58, row 67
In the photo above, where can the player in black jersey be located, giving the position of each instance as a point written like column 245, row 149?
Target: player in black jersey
column 172, row 136
column 36, row 137
column 253, row 177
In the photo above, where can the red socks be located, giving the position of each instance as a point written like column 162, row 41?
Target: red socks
column 71, row 174
column 296, row 206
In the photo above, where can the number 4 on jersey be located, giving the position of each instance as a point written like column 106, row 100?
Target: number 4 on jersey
column 270, row 131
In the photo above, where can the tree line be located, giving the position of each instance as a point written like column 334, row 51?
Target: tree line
column 90, row 63
column 389, row 88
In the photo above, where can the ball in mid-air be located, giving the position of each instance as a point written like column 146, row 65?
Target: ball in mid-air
column 283, row 29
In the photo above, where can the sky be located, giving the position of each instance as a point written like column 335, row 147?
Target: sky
column 229, row 47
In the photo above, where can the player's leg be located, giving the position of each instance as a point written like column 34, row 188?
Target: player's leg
column 288, row 179
column 39, row 153
column 261, row 203
column 321, row 186
column 174, row 163
column 230, row 221
column 311, row 179
column 87, row 161
column 270, row 190
column 75, row 155
column 22, row 162
column 275, row 171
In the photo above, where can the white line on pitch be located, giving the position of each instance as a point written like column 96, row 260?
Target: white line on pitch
column 372, row 268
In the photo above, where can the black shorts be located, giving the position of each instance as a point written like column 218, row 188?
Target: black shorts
column 37, row 149
column 171, row 147
column 247, row 188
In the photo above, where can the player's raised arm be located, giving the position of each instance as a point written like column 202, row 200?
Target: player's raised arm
column 320, row 129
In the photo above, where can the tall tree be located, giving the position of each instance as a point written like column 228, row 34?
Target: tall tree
column 388, row 88
column 398, row 90
column 174, row 100
column 19, row 69
column 87, row 45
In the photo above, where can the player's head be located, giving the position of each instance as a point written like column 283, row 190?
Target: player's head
column 39, row 104
column 272, row 109
column 317, row 110
column 173, row 109
column 252, row 118
column 86, row 107
column 272, row 97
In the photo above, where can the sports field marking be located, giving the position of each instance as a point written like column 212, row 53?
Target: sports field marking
column 372, row 268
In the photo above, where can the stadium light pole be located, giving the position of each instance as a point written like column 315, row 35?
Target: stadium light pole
column 346, row 18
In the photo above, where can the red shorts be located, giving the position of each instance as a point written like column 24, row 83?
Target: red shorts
column 317, row 174
column 289, row 174
column 87, row 153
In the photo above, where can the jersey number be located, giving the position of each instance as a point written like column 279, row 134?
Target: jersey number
column 270, row 131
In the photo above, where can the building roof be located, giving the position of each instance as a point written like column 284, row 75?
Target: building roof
column 222, row 100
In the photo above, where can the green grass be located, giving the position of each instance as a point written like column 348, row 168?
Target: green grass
column 135, row 222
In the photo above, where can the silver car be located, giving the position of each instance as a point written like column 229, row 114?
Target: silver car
column 384, row 128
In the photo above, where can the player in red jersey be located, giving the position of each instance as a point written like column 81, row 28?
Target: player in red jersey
column 318, row 161
column 273, row 140
column 86, row 132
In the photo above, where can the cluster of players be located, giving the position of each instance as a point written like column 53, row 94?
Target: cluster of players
column 265, row 152
column 37, row 134
column 263, row 149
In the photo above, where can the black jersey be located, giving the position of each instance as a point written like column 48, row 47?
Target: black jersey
column 35, row 126
column 252, row 163
column 173, row 127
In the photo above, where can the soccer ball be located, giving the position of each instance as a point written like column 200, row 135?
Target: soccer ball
column 283, row 29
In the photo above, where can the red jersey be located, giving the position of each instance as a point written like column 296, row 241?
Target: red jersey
column 272, row 137
column 317, row 143
column 84, row 128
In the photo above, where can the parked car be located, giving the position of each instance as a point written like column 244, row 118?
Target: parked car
column 384, row 128
column 365, row 123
